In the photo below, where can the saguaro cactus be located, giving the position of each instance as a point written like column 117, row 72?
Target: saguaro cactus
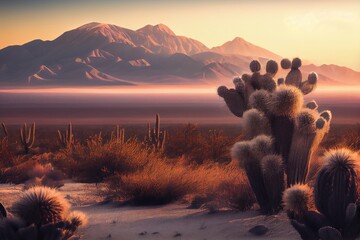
column 155, row 138
column 27, row 137
column 6, row 134
column 118, row 136
column 67, row 138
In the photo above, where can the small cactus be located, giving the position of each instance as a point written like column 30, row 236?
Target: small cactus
column 40, row 206
column 297, row 200
column 155, row 138
column 67, row 138
column 27, row 137
column 119, row 136
column 294, row 77
column 336, row 185
column 41, row 213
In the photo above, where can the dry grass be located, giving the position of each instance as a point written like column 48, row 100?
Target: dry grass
column 160, row 182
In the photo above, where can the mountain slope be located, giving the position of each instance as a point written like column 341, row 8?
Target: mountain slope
column 105, row 54
column 239, row 46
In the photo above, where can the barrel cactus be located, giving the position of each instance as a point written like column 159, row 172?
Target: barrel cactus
column 337, row 214
column 276, row 109
column 40, row 213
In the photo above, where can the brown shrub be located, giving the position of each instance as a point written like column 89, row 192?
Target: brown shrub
column 94, row 161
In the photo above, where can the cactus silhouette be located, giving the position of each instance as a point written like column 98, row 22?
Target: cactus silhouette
column 118, row 136
column 67, row 138
column 27, row 137
column 155, row 138
column 276, row 110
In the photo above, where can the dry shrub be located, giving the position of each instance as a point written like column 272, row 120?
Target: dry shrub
column 162, row 181
column 157, row 183
column 197, row 147
column 94, row 161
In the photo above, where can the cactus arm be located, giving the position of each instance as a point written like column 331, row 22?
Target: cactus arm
column 33, row 135
column 329, row 233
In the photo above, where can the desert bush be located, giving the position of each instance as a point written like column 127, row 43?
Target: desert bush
column 163, row 181
column 198, row 147
column 96, row 160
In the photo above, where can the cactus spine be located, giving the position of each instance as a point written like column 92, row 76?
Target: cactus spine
column 67, row 138
column 155, row 138
column 27, row 137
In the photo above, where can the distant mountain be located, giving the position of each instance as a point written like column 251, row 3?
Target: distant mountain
column 104, row 54
column 239, row 46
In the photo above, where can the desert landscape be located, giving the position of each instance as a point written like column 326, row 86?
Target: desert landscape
column 194, row 120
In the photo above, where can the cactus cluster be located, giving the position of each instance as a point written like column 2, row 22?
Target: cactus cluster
column 276, row 109
column 335, row 212
column 66, row 139
column 118, row 136
column 40, row 213
column 155, row 138
column 27, row 137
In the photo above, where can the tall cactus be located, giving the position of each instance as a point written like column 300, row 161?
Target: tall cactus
column 155, row 138
column 27, row 137
column 4, row 128
column 118, row 136
column 67, row 138
column 276, row 110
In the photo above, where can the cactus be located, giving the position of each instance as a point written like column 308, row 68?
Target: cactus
column 67, row 138
column 27, row 137
column 336, row 185
column 41, row 213
column 6, row 134
column 273, row 175
column 297, row 200
column 155, row 138
column 305, row 140
column 276, row 110
column 119, row 136
column 264, row 171
column 336, row 200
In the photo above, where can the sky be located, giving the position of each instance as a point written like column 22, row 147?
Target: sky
column 321, row 32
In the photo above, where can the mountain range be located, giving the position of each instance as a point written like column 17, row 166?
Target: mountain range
column 105, row 54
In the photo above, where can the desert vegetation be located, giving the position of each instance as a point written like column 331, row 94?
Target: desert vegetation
column 278, row 159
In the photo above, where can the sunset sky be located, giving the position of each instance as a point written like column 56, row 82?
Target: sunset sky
column 321, row 31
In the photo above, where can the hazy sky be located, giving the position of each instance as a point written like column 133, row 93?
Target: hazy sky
column 319, row 31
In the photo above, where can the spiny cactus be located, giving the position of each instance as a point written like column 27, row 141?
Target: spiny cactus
column 255, row 156
column 297, row 200
column 67, row 138
column 336, row 185
column 336, row 200
column 118, row 136
column 277, row 110
column 40, row 206
column 27, row 137
column 155, row 138
column 41, row 213
column 305, row 140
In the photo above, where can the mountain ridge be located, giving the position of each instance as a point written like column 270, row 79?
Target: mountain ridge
column 107, row 54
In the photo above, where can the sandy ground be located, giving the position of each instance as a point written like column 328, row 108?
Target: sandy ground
column 173, row 221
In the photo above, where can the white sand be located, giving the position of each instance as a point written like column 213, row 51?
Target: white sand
column 162, row 222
